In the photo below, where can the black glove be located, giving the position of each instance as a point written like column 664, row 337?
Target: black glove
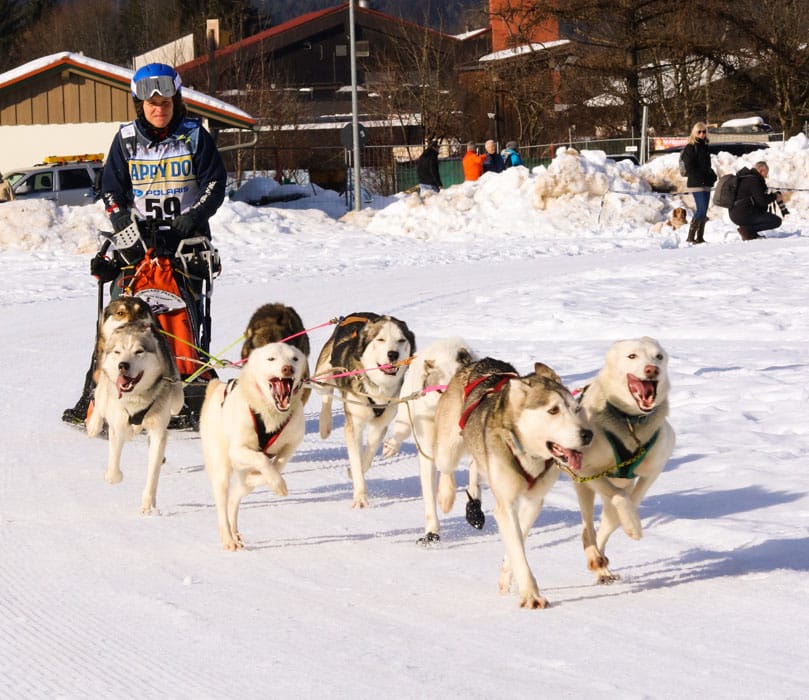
column 185, row 224
column 104, row 269
column 120, row 220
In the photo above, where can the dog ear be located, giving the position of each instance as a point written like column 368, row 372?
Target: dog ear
column 367, row 334
column 464, row 357
column 411, row 338
column 546, row 372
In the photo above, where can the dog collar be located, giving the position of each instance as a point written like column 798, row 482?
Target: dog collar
column 628, row 417
column 515, row 448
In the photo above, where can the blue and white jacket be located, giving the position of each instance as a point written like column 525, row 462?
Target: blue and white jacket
column 182, row 173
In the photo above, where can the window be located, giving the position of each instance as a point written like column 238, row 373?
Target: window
column 75, row 179
column 43, row 182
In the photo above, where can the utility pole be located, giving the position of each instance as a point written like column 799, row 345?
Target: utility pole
column 355, row 120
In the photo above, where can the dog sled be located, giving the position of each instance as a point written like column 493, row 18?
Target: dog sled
column 174, row 276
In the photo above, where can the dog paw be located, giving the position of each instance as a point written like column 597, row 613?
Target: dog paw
column 533, row 601
column 390, row 448
column 279, row 487
column 148, row 507
column 113, row 476
column 474, row 513
column 360, row 501
column 231, row 545
column 628, row 515
column 430, row 539
column 605, row 577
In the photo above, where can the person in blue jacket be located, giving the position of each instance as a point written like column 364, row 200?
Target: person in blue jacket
column 511, row 155
column 164, row 165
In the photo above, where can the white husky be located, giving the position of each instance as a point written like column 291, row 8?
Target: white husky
column 138, row 388
column 250, row 429
column 427, row 378
column 626, row 405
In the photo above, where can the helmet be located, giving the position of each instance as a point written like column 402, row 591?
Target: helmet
column 155, row 78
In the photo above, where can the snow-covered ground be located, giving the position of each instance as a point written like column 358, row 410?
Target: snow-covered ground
column 98, row 601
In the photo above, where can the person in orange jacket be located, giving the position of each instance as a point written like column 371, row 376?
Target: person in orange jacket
column 472, row 163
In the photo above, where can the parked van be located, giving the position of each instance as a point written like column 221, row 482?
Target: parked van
column 70, row 180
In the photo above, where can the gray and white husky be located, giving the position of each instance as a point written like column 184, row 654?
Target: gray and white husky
column 371, row 350
column 516, row 428
column 138, row 388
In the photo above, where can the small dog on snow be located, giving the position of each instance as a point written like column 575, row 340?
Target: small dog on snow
column 250, row 428
column 676, row 219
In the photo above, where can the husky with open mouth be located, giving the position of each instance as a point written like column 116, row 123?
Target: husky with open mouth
column 626, row 405
column 365, row 359
column 138, row 388
column 250, row 429
column 516, row 428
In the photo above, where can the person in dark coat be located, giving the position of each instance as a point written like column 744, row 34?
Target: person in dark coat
column 750, row 212
column 700, row 178
column 493, row 163
column 427, row 169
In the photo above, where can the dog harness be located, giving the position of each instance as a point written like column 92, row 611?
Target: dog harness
column 625, row 461
column 137, row 418
column 265, row 437
column 497, row 382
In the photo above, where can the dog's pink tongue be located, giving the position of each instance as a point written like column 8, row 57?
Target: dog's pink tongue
column 123, row 384
column 574, row 460
column 644, row 392
column 282, row 391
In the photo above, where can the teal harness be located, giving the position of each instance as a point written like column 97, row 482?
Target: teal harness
column 626, row 460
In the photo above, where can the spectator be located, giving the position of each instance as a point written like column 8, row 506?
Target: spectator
column 472, row 163
column 493, row 162
column 6, row 193
column 511, row 156
column 700, row 178
column 427, row 169
column 750, row 211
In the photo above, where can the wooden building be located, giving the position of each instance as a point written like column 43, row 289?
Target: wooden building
column 69, row 104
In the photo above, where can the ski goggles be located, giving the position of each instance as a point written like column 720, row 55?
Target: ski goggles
column 163, row 85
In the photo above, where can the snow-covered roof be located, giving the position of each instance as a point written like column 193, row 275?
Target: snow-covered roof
column 207, row 105
column 523, row 49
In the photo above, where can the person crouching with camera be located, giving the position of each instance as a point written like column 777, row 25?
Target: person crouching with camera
column 750, row 212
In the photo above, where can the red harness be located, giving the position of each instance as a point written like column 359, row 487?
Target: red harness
column 264, row 438
column 502, row 380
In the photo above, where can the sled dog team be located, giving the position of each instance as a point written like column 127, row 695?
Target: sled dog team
column 520, row 431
